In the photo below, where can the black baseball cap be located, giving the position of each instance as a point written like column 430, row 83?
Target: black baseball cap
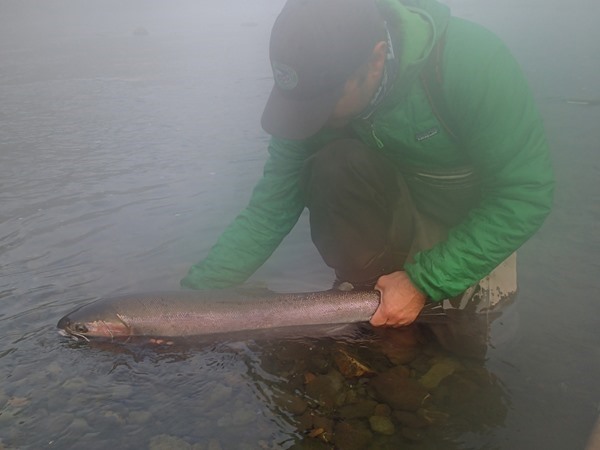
column 316, row 45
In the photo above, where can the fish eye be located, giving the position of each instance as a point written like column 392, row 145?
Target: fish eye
column 80, row 328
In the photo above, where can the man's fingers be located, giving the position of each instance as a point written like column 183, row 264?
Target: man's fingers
column 379, row 318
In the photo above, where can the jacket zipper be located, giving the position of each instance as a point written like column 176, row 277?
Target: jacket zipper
column 374, row 135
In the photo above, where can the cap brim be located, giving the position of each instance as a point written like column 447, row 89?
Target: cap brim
column 288, row 118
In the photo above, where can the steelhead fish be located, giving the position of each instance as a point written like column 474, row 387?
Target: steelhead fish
column 195, row 313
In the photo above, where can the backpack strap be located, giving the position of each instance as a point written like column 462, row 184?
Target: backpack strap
column 432, row 80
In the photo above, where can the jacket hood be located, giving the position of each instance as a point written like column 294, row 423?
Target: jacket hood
column 415, row 26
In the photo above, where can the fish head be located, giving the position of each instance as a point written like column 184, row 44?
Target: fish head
column 80, row 326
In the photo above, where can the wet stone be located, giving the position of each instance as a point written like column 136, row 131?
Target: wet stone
column 432, row 416
column 139, row 417
column 319, row 364
column 291, row 403
column 309, row 443
column 352, row 436
column 460, row 388
column 421, row 364
column 225, row 420
column 219, row 394
column 324, row 389
column 361, row 409
column 122, row 391
column 412, row 434
column 382, row 410
column 399, row 392
column 382, row 425
column 54, row 368
column 214, row 444
column 324, row 423
column 167, row 442
column 410, row 419
column 479, row 375
column 8, row 416
column 243, row 417
column 79, row 426
column 74, row 384
column 400, row 346
column 350, row 366
column 438, row 372
column 113, row 417
column 305, row 421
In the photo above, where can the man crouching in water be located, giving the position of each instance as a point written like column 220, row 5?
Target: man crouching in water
column 413, row 139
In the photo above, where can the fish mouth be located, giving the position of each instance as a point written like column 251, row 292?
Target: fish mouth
column 80, row 330
column 65, row 329
column 73, row 335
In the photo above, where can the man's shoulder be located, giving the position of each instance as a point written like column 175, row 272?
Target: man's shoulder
column 470, row 40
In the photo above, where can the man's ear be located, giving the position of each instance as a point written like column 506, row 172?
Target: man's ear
column 377, row 60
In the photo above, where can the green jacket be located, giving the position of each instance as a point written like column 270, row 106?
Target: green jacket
column 492, row 186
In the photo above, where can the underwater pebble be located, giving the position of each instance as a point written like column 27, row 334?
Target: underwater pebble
column 139, row 417
column 382, row 425
column 382, row 410
column 410, row 420
column 291, row 403
column 243, row 417
column 352, row 436
column 361, row 409
column 113, row 417
column 438, row 371
column 122, row 390
column 75, row 384
column 167, row 442
column 399, row 392
column 412, row 434
column 54, row 368
column 79, row 426
column 214, row 444
column 225, row 421
column 219, row 394
column 8, row 416
column 325, row 388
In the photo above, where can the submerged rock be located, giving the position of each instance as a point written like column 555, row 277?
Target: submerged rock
column 324, row 389
column 352, row 436
column 410, row 419
column 395, row 389
column 441, row 369
column 168, row 442
column 382, row 425
column 412, row 434
column 290, row 403
column 349, row 365
column 361, row 409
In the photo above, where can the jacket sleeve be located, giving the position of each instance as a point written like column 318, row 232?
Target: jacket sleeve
column 505, row 141
column 273, row 210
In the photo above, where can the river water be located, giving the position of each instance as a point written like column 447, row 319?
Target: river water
column 130, row 136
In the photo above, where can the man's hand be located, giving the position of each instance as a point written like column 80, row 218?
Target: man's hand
column 401, row 301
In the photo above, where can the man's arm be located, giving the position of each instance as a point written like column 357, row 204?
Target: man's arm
column 506, row 143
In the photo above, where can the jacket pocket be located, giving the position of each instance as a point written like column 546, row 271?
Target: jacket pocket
column 445, row 194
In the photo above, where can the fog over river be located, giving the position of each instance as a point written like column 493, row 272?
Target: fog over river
column 130, row 137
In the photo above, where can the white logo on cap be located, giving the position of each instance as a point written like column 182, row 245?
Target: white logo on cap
column 285, row 77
